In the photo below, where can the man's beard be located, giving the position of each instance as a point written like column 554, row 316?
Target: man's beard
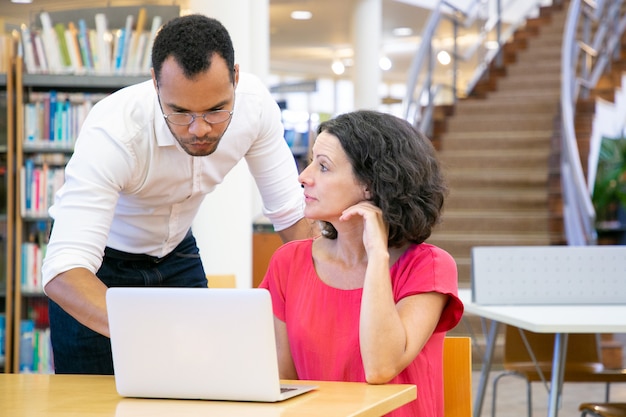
column 199, row 146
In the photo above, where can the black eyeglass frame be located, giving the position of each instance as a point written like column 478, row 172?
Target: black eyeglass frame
column 193, row 117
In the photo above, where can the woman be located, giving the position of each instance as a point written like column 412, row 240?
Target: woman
column 368, row 300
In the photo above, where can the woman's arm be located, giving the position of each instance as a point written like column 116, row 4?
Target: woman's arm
column 286, row 368
column 390, row 335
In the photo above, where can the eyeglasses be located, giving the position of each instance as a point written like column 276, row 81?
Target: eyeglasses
column 211, row 117
column 185, row 119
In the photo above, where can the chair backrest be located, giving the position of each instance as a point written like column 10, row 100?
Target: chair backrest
column 457, row 376
column 583, row 353
column 222, row 281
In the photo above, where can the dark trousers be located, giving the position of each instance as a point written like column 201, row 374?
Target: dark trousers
column 78, row 349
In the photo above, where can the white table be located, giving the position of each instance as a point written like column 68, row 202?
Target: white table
column 558, row 319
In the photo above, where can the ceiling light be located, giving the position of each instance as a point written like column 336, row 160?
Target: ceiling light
column 301, row 15
column 402, row 31
column 338, row 67
column 22, row 1
column 443, row 57
column 384, row 63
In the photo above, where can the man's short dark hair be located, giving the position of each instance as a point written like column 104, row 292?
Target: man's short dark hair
column 192, row 40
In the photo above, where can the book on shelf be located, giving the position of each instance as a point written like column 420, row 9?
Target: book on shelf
column 52, row 119
column 146, row 62
column 38, row 186
column 125, row 47
column 35, row 355
column 50, row 43
column 85, row 45
column 64, row 55
column 40, row 53
column 28, row 50
column 32, row 258
column 3, row 330
column 27, row 346
column 75, row 47
column 3, row 118
column 103, row 45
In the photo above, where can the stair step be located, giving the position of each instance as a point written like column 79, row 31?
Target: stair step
column 477, row 178
column 500, row 199
column 464, row 219
column 495, row 141
column 539, row 53
column 548, row 80
column 489, row 158
column 538, row 68
column 501, row 122
column 480, row 107
column 535, row 93
column 501, row 134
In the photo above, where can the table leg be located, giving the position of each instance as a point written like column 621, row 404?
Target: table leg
column 486, row 368
column 558, row 370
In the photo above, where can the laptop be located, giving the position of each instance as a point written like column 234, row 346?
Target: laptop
column 195, row 343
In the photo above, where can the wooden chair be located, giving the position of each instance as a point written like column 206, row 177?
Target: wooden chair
column 457, row 376
column 529, row 355
column 222, row 281
column 603, row 409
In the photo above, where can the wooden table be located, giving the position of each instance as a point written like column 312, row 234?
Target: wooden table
column 35, row 395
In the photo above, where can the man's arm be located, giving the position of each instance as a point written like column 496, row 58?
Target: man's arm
column 81, row 294
column 302, row 229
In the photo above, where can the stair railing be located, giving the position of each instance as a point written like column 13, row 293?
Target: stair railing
column 423, row 91
column 591, row 36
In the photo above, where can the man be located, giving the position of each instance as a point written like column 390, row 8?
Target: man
column 144, row 160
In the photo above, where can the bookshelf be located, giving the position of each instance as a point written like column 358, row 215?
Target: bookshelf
column 49, row 106
column 40, row 158
column 100, row 40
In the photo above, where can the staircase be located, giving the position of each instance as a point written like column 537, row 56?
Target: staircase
column 496, row 149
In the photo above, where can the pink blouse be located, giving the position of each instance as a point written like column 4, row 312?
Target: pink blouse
column 323, row 322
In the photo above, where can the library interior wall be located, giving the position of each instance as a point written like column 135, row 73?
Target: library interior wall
column 223, row 226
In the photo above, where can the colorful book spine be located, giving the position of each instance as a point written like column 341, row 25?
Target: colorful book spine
column 52, row 115
column 50, row 43
column 27, row 346
column 71, row 38
column 64, row 52
column 146, row 63
column 84, row 44
column 103, row 63
column 29, row 51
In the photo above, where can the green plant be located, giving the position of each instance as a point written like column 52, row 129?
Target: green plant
column 610, row 184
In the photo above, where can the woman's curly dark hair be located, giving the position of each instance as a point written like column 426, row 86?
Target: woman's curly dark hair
column 398, row 165
column 192, row 40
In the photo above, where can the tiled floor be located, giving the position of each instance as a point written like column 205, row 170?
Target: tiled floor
column 511, row 395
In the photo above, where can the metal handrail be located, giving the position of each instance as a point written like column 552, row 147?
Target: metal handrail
column 586, row 54
column 422, row 93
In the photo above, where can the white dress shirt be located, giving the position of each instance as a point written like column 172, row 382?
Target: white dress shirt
column 130, row 186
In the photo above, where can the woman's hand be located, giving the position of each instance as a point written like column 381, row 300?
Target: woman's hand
column 375, row 230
